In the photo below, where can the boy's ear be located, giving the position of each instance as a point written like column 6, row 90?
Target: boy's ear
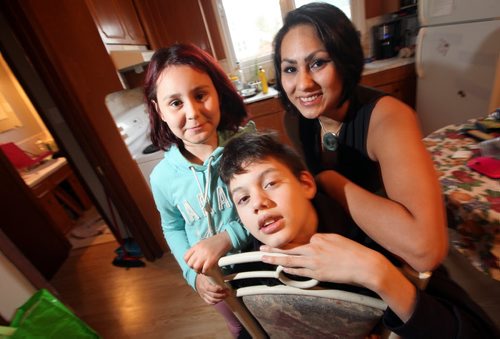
column 307, row 181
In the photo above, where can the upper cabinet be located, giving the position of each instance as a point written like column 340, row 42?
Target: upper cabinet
column 379, row 7
column 158, row 23
column 167, row 22
column 117, row 22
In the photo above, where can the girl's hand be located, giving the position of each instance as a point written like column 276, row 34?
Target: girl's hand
column 327, row 257
column 205, row 254
column 210, row 292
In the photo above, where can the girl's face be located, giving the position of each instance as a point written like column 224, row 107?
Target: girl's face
column 308, row 74
column 188, row 102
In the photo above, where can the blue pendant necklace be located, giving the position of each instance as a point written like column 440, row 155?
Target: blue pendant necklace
column 330, row 139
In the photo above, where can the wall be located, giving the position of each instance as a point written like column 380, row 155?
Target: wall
column 31, row 126
column 15, row 289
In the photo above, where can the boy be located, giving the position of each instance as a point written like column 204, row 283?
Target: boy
column 274, row 195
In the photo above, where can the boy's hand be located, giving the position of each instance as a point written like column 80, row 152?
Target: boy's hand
column 210, row 292
column 327, row 257
column 205, row 254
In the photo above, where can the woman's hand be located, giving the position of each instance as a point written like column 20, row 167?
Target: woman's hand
column 205, row 254
column 327, row 257
column 334, row 258
column 209, row 291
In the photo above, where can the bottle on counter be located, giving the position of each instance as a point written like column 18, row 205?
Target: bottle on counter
column 239, row 73
column 263, row 80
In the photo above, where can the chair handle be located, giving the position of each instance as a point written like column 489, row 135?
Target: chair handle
column 245, row 257
column 294, row 283
column 256, row 256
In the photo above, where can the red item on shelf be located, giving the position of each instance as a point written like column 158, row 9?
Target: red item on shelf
column 19, row 158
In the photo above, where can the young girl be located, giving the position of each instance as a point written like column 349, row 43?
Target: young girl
column 194, row 110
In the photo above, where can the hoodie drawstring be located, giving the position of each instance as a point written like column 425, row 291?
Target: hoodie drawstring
column 207, row 208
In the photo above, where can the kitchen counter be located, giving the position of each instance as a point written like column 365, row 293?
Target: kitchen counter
column 41, row 172
column 385, row 64
column 271, row 93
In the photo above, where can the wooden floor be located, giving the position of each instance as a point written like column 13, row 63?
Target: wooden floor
column 149, row 302
column 155, row 301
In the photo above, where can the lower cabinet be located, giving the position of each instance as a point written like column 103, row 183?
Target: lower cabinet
column 62, row 198
column 269, row 114
column 400, row 82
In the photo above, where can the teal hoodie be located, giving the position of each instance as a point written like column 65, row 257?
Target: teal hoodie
column 178, row 189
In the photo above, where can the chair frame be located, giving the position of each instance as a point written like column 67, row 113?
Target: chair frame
column 291, row 287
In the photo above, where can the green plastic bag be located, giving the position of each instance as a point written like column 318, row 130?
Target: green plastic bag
column 44, row 316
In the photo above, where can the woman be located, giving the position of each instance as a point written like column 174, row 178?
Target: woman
column 364, row 146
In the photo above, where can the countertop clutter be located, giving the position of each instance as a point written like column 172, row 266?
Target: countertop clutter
column 271, row 93
column 386, row 64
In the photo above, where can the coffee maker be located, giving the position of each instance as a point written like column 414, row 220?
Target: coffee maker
column 387, row 39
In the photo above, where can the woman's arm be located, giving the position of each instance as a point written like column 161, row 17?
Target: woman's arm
column 411, row 221
column 443, row 310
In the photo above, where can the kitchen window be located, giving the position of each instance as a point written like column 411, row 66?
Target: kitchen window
column 248, row 28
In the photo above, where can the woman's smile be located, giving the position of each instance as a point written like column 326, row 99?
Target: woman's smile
column 311, row 100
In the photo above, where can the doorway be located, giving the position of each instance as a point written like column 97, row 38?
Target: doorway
column 43, row 166
column 66, row 72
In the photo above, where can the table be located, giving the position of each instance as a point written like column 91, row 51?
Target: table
column 472, row 199
column 58, row 190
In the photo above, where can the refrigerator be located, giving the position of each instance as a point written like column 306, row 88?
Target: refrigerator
column 457, row 60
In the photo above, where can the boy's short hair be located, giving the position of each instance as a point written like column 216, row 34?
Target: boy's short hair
column 250, row 148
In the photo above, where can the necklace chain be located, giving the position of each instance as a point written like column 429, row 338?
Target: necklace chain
column 336, row 133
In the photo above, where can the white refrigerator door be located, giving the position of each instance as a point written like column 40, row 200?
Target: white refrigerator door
column 456, row 69
column 438, row 12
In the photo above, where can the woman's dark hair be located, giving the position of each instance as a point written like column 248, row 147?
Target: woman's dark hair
column 249, row 148
column 340, row 38
column 232, row 108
